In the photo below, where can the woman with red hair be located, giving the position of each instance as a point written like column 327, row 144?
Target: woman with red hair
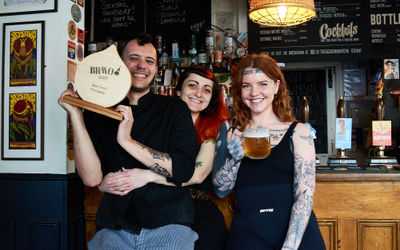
column 200, row 90
column 274, row 194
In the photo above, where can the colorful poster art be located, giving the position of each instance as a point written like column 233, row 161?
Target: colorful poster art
column 343, row 133
column 381, row 133
column 23, row 58
column 22, row 121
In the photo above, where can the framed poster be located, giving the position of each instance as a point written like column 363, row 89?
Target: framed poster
column 22, row 91
column 18, row 7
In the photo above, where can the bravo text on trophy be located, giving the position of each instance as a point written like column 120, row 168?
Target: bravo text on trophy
column 102, row 80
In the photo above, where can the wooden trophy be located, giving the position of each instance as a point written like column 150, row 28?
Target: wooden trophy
column 380, row 158
column 305, row 117
column 102, row 80
column 341, row 160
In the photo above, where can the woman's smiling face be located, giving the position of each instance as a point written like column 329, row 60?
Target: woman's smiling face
column 258, row 90
column 196, row 92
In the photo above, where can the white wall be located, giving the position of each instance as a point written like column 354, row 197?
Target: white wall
column 55, row 76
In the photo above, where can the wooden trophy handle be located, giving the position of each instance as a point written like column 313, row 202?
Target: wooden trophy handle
column 93, row 107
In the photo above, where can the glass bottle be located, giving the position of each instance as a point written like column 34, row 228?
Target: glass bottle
column 193, row 51
column 164, row 59
column 184, row 62
column 228, row 49
column 175, row 51
column 202, row 56
column 218, row 53
column 209, row 42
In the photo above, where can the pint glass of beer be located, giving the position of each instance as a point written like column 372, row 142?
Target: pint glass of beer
column 257, row 144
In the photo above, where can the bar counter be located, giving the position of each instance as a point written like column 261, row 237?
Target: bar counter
column 359, row 210
column 355, row 210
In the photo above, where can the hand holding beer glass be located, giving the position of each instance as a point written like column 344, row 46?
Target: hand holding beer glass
column 257, row 144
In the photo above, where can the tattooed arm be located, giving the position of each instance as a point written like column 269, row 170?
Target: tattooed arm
column 303, row 186
column 137, row 178
column 229, row 154
column 181, row 149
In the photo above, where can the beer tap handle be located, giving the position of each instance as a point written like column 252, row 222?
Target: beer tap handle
column 305, row 111
column 341, row 112
column 380, row 109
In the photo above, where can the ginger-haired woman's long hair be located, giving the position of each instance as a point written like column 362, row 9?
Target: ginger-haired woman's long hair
column 241, row 114
column 210, row 119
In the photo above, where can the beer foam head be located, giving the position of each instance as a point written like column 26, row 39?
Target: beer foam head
column 256, row 132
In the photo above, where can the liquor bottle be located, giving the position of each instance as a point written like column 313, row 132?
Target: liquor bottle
column 228, row 49
column 175, row 74
column 193, row 51
column 218, row 53
column 209, row 42
column 164, row 59
column 158, row 44
column 202, row 56
column 175, row 56
column 184, row 61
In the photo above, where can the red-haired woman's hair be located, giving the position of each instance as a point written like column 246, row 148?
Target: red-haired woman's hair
column 210, row 119
column 241, row 114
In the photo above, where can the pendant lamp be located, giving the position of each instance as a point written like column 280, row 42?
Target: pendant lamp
column 278, row 13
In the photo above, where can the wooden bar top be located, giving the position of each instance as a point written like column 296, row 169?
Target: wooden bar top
column 341, row 176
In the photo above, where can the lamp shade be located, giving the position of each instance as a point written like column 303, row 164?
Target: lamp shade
column 281, row 12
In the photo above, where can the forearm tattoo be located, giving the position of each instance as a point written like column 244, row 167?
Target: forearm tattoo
column 304, row 185
column 225, row 177
column 160, row 170
column 156, row 155
column 198, row 164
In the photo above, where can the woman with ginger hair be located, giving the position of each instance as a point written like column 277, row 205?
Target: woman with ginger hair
column 274, row 194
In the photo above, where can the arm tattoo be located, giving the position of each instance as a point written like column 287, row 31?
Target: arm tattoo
column 309, row 139
column 226, row 176
column 198, row 164
column 156, row 155
column 160, row 170
column 303, row 188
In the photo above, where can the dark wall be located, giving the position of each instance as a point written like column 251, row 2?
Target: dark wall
column 40, row 211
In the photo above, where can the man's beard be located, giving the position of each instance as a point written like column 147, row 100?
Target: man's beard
column 143, row 89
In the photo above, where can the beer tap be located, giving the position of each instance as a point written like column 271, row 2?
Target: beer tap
column 305, row 117
column 380, row 114
column 305, row 110
column 341, row 113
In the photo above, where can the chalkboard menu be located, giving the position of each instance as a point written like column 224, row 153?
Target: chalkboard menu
column 178, row 19
column 173, row 19
column 119, row 19
column 343, row 29
column 311, row 84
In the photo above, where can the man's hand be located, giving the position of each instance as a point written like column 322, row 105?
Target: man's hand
column 125, row 180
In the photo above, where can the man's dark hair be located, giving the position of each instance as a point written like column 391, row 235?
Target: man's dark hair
column 144, row 38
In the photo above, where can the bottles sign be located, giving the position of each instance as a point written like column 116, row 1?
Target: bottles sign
column 381, row 133
column 343, row 133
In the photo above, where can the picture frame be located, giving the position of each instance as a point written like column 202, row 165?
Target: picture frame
column 22, row 127
column 18, row 7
